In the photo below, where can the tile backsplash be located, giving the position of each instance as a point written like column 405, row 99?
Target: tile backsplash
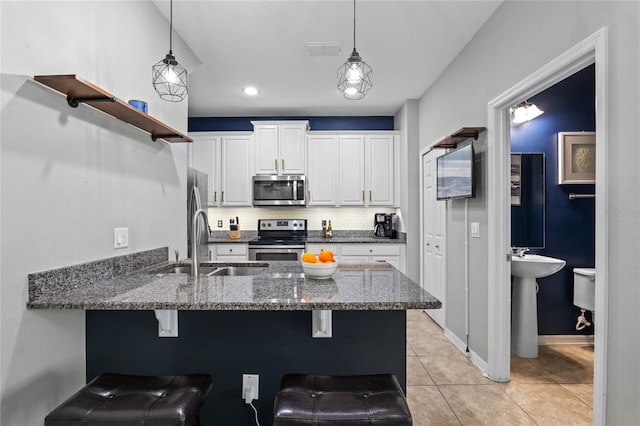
column 342, row 218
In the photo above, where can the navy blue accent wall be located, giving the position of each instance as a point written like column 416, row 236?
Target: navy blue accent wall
column 227, row 344
column 568, row 106
column 235, row 124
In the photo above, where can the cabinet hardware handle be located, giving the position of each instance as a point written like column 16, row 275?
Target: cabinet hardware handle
column 437, row 246
column 283, row 164
column 369, row 195
column 215, row 196
column 210, row 256
column 230, row 250
column 370, row 250
column 363, row 195
column 222, row 197
column 275, row 163
column 309, row 195
column 428, row 244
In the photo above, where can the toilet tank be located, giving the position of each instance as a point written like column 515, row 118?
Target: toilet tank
column 584, row 288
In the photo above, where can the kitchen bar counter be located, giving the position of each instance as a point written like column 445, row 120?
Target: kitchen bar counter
column 228, row 326
column 281, row 287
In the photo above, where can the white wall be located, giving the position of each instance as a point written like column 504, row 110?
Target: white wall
column 406, row 121
column 69, row 176
column 520, row 38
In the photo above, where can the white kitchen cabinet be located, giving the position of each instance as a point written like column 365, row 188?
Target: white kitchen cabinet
column 204, row 155
column 394, row 254
column 236, row 252
column 380, row 166
column 368, row 170
column 351, row 184
column 236, row 170
column 280, row 147
column 322, row 170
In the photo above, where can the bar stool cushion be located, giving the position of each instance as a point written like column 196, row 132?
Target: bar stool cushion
column 124, row 400
column 330, row 400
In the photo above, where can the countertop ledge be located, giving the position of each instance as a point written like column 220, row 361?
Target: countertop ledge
column 281, row 287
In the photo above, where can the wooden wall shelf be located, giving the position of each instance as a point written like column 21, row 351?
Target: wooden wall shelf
column 461, row 135
column 81, row 91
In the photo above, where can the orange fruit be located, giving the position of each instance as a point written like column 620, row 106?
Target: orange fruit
column 309, row 257
column 325, row 255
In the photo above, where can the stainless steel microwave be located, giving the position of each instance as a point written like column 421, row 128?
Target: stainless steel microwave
column 285, row 190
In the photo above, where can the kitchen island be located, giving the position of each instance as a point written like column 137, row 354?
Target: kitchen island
column 230, row 325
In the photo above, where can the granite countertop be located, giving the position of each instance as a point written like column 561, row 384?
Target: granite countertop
column 281, row 286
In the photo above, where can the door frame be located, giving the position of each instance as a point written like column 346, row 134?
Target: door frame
column 594, row 49
column 424, row 152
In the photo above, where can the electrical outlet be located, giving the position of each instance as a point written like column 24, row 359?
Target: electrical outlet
column 475, row 230
column 120, row 238
column 250, row 384
column 219, row 224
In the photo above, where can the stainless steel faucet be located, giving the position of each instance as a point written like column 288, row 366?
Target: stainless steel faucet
column 519, row 251
column 195, row 267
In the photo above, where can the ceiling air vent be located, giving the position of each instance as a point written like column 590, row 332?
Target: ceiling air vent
column 323, row 48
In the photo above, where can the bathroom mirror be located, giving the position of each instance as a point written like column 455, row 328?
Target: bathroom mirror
column 528, row 213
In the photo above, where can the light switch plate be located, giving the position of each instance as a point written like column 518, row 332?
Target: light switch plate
column 120, row 238
column 475, row 230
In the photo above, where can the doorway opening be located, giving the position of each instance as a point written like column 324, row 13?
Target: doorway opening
column 592, row 50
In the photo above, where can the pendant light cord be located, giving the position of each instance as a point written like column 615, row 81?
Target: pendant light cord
column 354, row 24
column 171, row 26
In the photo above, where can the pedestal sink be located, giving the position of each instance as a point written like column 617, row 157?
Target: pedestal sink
column 524, row 303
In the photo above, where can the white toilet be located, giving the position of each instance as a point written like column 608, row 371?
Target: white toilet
column 584, row 293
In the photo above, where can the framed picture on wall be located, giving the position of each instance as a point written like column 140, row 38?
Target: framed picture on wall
column 516, row 168
column 576, row 158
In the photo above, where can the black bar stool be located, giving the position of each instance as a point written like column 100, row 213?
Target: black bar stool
column 305, row 399
column 127, row 400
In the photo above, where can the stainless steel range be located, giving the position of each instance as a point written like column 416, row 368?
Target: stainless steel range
column 279, row 239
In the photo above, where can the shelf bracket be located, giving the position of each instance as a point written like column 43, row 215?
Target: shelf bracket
column 167, row 322
column 74, row 102
column 321, row 326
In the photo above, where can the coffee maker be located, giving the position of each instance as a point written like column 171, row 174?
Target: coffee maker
column 386, row 225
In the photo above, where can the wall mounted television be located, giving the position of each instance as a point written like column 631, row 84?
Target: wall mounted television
column 455, row 173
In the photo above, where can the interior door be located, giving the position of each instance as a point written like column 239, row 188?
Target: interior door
column 434, row 250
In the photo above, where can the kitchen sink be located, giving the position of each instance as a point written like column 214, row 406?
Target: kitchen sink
column 212, row 271
column 237, row 271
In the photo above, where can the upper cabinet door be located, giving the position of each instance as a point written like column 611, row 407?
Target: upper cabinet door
column 351, row 170
column 292, row 152
column 237, row 160
column 380, row 159
column 267, row 156
column 322, row 171
column 205, row 156
column 280, row 147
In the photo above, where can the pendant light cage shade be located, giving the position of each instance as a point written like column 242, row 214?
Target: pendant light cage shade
column 354, row 77
column 170, row 79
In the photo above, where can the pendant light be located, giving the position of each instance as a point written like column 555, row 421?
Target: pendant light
column 170, row 79
column 525, row 111
column 354, row 76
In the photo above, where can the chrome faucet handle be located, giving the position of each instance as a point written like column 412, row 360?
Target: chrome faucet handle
column 519, row 251
column 177, row 254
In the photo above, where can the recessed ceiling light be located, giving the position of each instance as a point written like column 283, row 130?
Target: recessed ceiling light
column 250, row 91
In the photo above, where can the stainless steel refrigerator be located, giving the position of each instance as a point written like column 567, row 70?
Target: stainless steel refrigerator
column 197, row 190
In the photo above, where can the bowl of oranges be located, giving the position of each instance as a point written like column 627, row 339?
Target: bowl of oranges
column 320, row 267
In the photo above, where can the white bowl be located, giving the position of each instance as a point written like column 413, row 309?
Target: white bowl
column 319, row 271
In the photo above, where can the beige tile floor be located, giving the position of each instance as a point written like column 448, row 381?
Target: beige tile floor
column 444, row 388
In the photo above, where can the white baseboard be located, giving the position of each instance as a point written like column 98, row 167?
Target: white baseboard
column 480, row 363
column 569, row 339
